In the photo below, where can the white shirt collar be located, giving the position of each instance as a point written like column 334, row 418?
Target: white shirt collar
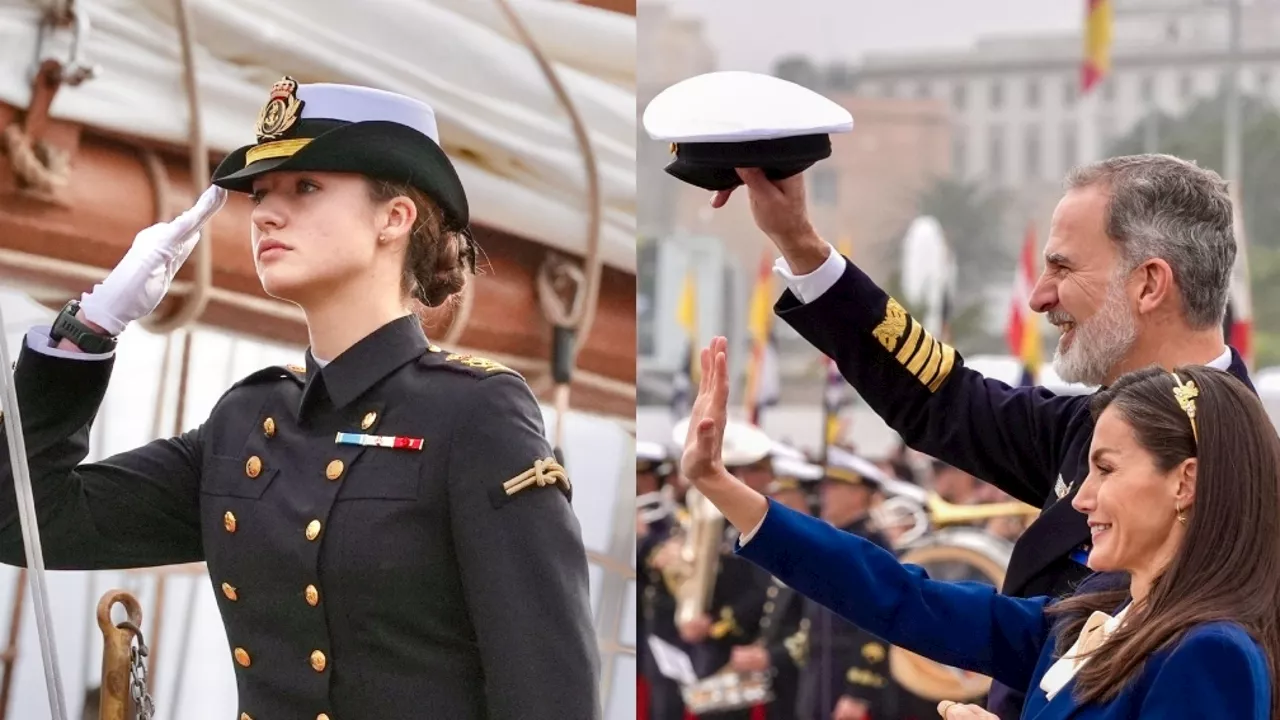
column 1223, row 361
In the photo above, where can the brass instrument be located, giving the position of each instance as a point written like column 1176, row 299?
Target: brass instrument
column 925, row 510
column 695, row 574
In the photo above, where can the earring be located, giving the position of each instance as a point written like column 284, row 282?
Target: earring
column 1181, row 518
column 382, row 238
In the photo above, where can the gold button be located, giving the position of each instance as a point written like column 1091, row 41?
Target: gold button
column 313, row 529
column 334, row 471
column 322, row 716
column 269, row 427
column 254, row 467
column 773, row 591
column 242, row 657
column 313, row 595
column 229, row 522
column 317, row 661
column 369, row 419
column 230, row 592
column 245, row 716
column 768, row 607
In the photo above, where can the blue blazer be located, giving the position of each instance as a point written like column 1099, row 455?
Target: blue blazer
column 1215, row 671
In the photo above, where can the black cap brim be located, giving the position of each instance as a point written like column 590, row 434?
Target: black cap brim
column 379, row 149
column 713, row 165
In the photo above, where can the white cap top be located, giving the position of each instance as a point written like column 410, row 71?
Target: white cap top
column 840, row 458
column 744, row 443
column 736, row 106
column 786, row 466
column 330, row 101
column 650, row 451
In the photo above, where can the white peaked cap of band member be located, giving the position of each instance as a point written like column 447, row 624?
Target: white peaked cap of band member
column 743, row 444
column 736, row 106
column 786, row 466
column 783, row 450
column 650, row 451
column 843, row 459
column 352, row 103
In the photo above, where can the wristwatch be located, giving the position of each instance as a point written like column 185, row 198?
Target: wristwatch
column 87, row 339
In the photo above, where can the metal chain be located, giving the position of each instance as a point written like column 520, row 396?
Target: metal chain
column 144, row 707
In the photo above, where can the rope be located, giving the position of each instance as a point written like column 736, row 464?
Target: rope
column 194, row 303
column 31, row 536
column 572, row 321
column 39, row 166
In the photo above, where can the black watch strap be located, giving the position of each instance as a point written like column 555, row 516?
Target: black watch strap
column 66, row 326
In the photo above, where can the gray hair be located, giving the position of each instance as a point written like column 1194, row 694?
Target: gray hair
column 1165, row 207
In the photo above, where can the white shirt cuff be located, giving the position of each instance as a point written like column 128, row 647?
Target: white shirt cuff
column 811, row 287
column 745, row 538
column 38, row 339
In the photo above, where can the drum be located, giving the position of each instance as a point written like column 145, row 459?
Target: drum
column 959, row 554
column 727, row 690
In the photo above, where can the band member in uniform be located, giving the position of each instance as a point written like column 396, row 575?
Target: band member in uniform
column 846, row 676
column 1181, row 497
column 1137, row 271
column 386, row 529
column 738, row 596
column 657, row 606
column 780, row 648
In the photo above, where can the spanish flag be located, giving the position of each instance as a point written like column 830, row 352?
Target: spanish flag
column 1097, row 44
column 1023, row 332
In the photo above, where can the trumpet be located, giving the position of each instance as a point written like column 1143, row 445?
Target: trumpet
column 923, row 510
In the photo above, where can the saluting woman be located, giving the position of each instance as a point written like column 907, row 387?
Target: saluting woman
column 387, row 531
column 1183, row 495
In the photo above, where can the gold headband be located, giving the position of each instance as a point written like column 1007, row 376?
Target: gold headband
column 1186, row 394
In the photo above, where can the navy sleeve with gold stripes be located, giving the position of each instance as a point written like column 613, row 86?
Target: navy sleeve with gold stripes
column 1011, row 437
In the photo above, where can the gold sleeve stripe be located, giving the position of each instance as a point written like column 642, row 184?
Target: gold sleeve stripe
column 904, row 354
column 928, row 359
column 922, row 354
column 931, row 369
column 948, row 360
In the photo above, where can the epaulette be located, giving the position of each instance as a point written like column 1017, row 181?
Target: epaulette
column 469, row 364
column 297, row 373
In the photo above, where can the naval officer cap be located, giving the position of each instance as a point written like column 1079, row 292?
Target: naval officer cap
column 850, row 469
column 326, row 127
column 743, row 444
column 793, row 473
column 652, row 457
column 721, row 121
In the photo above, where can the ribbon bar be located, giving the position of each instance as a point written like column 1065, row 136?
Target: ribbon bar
column 387, row 441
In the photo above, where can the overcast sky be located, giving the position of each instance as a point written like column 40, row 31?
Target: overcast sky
column 751, row 34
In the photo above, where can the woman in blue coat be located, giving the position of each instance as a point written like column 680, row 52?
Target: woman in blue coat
column 1183, row 496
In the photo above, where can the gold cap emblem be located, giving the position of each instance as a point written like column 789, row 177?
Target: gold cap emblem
column 281, row 111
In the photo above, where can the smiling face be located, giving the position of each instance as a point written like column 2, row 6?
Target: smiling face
column 1082, row 292
column 1131, row 506
column 314, row 232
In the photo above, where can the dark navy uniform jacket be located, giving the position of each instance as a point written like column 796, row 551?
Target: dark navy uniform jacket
column 1215, row 670
column 780, row 635
column 1020, row 439
column 353, row 581
column 736, row 608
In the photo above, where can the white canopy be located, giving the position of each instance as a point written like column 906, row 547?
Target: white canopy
column 500, row 121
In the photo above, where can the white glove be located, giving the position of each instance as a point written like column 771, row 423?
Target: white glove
column 136, row 286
